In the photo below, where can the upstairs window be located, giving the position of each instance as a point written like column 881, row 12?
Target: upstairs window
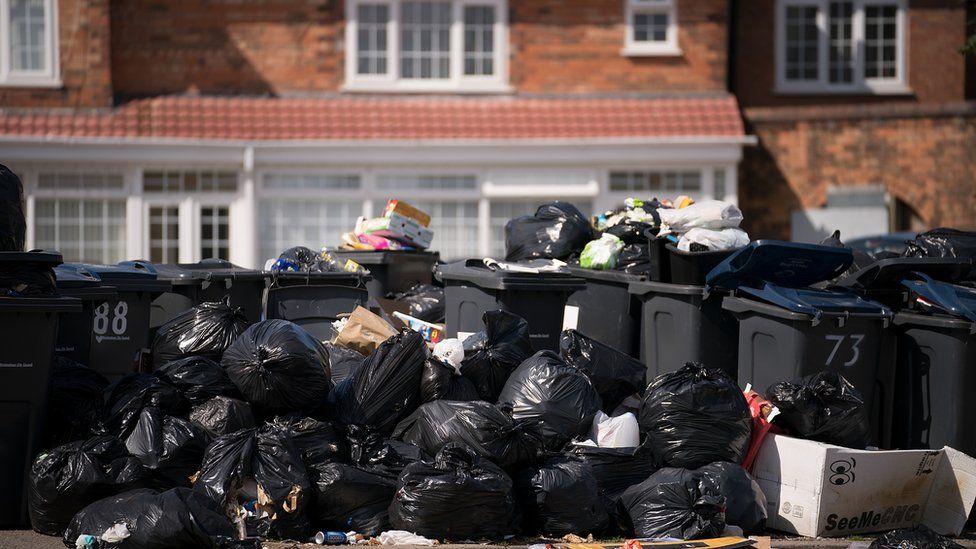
column 847, row 46
column 651, row 27
column 28, row 43
column 426, row 45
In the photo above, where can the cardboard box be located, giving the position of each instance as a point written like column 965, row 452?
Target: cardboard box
column 400, row 207
column 399, row 228
column 815, row 489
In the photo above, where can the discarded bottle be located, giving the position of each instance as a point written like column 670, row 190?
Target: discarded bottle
column 330, row 538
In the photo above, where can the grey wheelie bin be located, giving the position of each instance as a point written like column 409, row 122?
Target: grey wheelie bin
column 121, row 326
column 471, row 289
column 314, row 300
column 685, row 323
column 393, row 271
column 75, row 333
column 788, row 329
column 936, row 366
column 27, row 339
column 605, row 310
column 210, row 280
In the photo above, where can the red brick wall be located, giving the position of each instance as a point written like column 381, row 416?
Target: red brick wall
column 83, row 35
column 924, row 156
column 573, row 46
column 936, row 71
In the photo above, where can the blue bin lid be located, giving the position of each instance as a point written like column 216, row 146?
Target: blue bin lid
column 952, row 299
column 814, row 302
column 135, row 276
column 886, row 274
column 784, row 264
column 76, row 275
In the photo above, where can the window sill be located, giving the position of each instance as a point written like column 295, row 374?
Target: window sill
column 894, row 89
column 651, row 51
column 31, row 82
column 411, row 87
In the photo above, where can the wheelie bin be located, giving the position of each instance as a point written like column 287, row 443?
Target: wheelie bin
column 605, row 310
column 471, row 289
column 393, row 271
column 121, row 326
column 210, row 281
column 789, row 330
column 314, row 300
column 28, row 332
column 935, row 324
column 75, row 333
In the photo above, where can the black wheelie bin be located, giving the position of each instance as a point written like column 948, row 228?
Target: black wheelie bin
column 471, row 289
column 208, row 281
column 605, row 310
column 75, row 330
column 788, row 329
column 314, row 300
column 29, row 332
column 393, row 271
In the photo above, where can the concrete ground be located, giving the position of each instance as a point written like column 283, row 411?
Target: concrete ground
column 27, row 539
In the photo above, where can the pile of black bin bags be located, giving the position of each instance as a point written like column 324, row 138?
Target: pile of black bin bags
column 249, row 432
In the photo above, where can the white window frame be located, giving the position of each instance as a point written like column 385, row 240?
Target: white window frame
column 635, row 48
column 48, row 78
column 860, row 84
column 457, row 83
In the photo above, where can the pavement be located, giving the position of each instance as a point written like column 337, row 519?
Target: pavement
column 23, row 539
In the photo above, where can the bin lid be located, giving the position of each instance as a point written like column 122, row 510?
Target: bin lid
column 784, row 264
column 606, row 276
column 220, row 269
column 40, row 257
column 75, row 280
column 131, row 276
column 815, row 302
column 382, row 257
column 952, row 299
column 177, row 275
column 317, row 277
column 475, row 272
column 40, row 304
column 887, row 274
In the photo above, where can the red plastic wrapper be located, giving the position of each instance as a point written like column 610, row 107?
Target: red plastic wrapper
column 763, row 413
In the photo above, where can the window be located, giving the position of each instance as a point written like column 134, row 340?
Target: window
column 28, row 43
column 214, row 229
column 426, row 182
column 664, row 184
column 164, row 234
column 80, row 181
column 846, row 46
column 426, row 45
column 312, row 182
column 82, row 230
column 312, row 223
column 651, row 27
column 455, row 226
column 182, row 182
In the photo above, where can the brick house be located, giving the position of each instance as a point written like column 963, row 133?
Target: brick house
column 177, row 130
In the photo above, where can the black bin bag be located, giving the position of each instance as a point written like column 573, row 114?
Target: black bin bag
column 126, row 398
column 675, row 503
column 198, row 378
column 489, row 360
column 279, row 367
column 562, row 399
column 259, row 469
column 484, row 428
column 615, row 375
column 343, row 362
column 824, row 407
column 460, row 496
column 944, row 243
column 76, row 403
column 561, row 497
column 170, row 447
column 745, row 503
column 318, row 441
column 557, row 230
column 13, row 224
column 206, row 330
column 221, row 416
column 615, row 469
column 357, row 496
column 919, row 537
column 387, row 387
column 441, row 381
column 695, row 416
column 425, row 301
column 66, row 479
column 178, row 517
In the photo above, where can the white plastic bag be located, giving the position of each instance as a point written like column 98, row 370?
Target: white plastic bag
column 710, row 214
column 450, row 351
column 615, row 432
column 402, row 537
column 714, row 240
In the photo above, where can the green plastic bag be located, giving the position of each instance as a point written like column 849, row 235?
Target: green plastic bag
column 601, row 254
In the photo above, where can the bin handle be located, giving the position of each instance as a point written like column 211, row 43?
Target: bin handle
column 137, row 264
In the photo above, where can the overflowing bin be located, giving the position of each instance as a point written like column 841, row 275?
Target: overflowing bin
column 788, row 329
column 605, row 310
column 314, row 300
column 471, row 289
column 121, row 326
column 936, row 365
column 394, row 271
column 210, row 281
column 76, row 330
column 29, row 332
